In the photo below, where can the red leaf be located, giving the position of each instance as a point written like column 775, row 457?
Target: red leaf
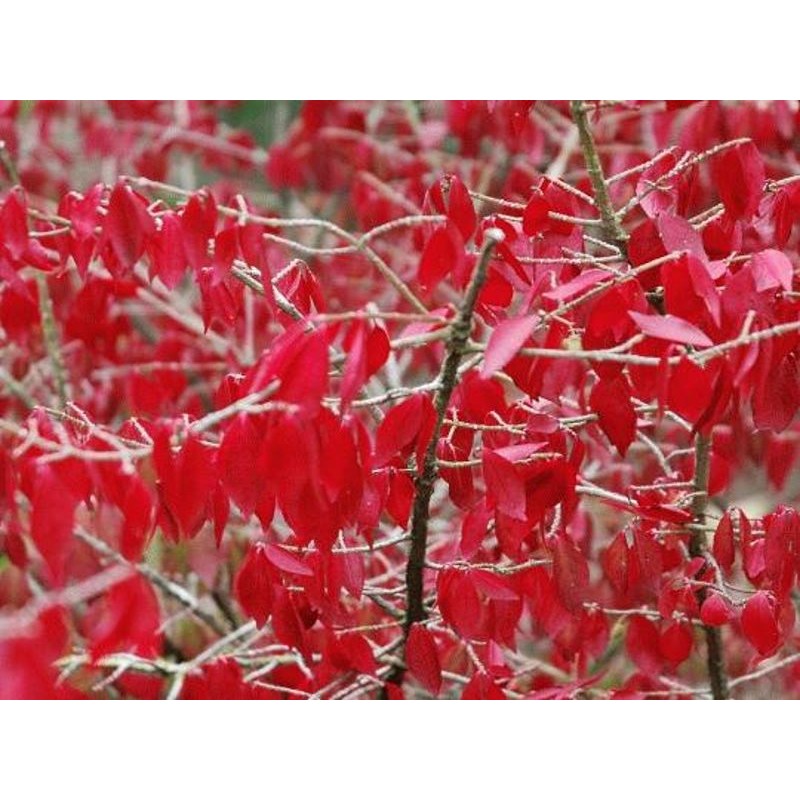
column 752, row 551
column 128, row 225
column 739, row 175
column 422, row 658
column 615, row 560
column 237, row 458
column 760, row 625
column 657, row 237
column 220, row 512
column 253, row 585
column 286, row 622
column 27, row 670
column 536, row 217
column 676, row 643
column 781, row 454
column 660, row 198
column 673, row 329
column 349, row 571
column 474, row 529
column 52, row 519
column 579, row 284
column 482, row 687
column 442, row 255
column 460, row 210
column 186, row 481
column 771, row 270
column 782, row 534
column 14, row 225
column 571, row 574
column 299, row 361
column 723, row 548
column 198, row 220
column 378, row 348
column 493, row 586
column 504, row 485
column 690, row 389
column 401, row 428
column 367, row 351
column 220, row 679
column 355, row 653
column 126, row 619
column 611, row 401
column 649, row 558
column 459, row 602
column 776, row 398
column 504, row 343
column 548, row 197
column 285, row 561
column 689, row 289
column 401, row 496
column 168, row 258
column 644, row 645
column 137, row 509
column 716, row 610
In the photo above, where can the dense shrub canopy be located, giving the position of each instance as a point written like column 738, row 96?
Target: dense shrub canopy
column 398, row 399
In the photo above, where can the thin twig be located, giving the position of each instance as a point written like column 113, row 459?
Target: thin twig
column 51, row 340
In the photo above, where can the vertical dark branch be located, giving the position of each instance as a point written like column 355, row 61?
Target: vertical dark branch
column 420, row 515
column 613, row 232
column 697, row 547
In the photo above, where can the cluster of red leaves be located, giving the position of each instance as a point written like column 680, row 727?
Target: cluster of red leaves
column 245, row 430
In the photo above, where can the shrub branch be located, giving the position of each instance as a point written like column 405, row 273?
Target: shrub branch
column 697, row 547
column 613, row 232
column 456, row 348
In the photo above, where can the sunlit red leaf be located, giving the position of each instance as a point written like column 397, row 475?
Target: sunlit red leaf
column 506, row 339
column 673, row 329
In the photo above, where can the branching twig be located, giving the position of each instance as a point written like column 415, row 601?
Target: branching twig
column 168, row 587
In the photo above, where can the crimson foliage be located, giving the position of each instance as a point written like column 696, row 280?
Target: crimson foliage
column 218, row 404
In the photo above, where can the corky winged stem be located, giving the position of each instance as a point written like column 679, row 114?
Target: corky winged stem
column 697, row 547
column 613, row 232
column 426, row 479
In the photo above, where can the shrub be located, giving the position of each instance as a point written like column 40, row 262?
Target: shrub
column 453, row 399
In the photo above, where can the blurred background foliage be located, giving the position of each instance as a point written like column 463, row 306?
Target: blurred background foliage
column 266, row 120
